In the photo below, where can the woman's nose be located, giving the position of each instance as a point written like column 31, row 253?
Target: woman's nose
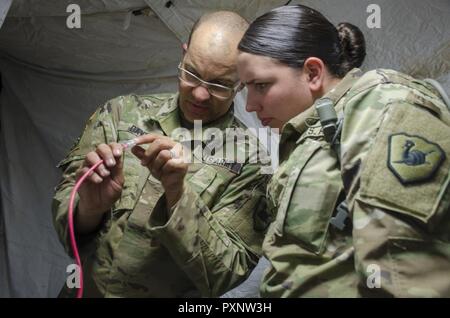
column 252, row 105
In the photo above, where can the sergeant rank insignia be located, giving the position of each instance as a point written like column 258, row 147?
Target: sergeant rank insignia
column 413, row 159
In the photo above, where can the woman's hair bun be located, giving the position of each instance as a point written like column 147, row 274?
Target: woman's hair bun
column 353, row 46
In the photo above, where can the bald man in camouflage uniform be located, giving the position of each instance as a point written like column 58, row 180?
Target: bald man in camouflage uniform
column 148, row 223
column 391, row 238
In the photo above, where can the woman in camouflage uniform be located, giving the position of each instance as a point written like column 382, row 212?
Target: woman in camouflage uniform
column 362, row 193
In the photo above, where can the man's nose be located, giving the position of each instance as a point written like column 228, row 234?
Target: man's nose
column 200, row 93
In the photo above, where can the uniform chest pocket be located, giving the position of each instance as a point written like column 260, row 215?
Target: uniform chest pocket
column 310, row 197
column 202, row 182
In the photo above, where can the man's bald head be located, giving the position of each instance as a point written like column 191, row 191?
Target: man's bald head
column 216, row 35
column 227, row 21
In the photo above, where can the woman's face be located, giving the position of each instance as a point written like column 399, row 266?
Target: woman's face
column 276, row 92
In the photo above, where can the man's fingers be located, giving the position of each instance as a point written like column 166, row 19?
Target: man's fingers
column 160, row 160
column 160, row 150
column 117, row 149
column 91, row 159
column 146, row 139
column 117, row 170
column 138, row 152
column 175, row 167
column 92, row 177
column 154, row 149
column 105, row 152
column 111, row 167
column 177, row 151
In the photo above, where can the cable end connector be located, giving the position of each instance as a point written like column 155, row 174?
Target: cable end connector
column 128, row 144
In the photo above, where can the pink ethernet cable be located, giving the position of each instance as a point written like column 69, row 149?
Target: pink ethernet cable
column 126, row 145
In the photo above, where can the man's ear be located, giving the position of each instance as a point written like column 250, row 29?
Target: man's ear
column 314, row 69
column 185, row 47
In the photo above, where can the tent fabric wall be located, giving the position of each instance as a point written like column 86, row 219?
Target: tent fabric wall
column 4, row 7
column 414, row 37
column 44, row 116
column 53, row 79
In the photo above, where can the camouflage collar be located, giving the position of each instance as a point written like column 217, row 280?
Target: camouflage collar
column 344, row 86
column 168, row 118
column 309, row 117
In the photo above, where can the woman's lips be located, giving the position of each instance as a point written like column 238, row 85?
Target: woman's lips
column 265, row 121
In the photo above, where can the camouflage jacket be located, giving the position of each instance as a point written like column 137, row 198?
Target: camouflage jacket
column 214, row 236
column 395, row 159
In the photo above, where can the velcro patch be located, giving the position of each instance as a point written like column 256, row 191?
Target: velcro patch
column 413, row 159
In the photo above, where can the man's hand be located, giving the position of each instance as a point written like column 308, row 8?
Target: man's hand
column 163, row 158
column 101, row 188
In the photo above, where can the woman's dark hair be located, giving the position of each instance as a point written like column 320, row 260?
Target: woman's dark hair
column 291, row 34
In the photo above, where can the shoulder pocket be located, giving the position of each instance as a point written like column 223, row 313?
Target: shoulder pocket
column 310, row 197
column 407, row 168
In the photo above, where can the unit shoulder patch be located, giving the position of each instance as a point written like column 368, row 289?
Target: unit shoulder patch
column 413, row 159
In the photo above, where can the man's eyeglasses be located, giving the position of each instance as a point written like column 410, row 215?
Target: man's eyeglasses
column 216, row 90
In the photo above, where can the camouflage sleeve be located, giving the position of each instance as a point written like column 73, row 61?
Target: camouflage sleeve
column 395, row 169
column 100, row 128
column 217, row 244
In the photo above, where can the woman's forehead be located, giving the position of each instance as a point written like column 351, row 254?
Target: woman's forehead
column 259, row 65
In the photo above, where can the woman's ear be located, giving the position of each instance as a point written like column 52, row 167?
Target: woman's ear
column 314, row 70
column 185, row 47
